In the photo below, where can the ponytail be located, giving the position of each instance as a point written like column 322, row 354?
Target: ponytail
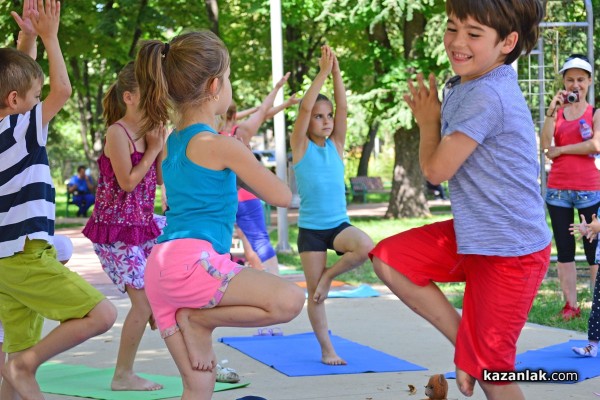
column 114, row 107
column 154, row 95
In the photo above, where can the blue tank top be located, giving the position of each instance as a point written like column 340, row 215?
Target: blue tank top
column 320, row 180
column 202, row 201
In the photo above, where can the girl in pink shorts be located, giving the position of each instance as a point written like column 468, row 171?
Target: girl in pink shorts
column 191, row 284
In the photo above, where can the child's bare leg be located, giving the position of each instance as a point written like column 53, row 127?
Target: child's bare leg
column 356, row 245
column 253, row 298
column 427, row 301
column 313, row 263
column 465, row 382
column 131, row 335
column 197, row 385
column 19, row 371
column 198, row 339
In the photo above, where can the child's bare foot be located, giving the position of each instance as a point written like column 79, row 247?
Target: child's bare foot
column 322, row 290
column 332, row 359
column 133, row 382
column 22, row 380
column 198, row 340
column 465, row 382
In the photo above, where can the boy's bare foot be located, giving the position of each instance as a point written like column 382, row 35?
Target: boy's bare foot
column 22, row 380
column 465, row 382
column 332, row 359
column 133, row 382
column 198, row 340
column 322, row 290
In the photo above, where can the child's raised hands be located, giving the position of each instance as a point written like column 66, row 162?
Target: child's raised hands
column 283, row 80
column 423, row 101
column 155, row 139
column 24, row 20
column 326, row 60
column 46, row 19
column 336, row 65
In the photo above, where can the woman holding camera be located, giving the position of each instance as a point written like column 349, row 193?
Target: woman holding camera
column 574, row 180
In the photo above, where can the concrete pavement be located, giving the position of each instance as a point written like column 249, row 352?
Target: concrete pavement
column 383, row 323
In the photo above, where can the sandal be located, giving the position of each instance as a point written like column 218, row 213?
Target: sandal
column 277, row 331
column 227, row 375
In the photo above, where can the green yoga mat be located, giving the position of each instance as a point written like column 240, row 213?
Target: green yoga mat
column 94, row 383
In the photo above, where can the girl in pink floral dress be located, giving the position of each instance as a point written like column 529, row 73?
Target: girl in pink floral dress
column 123, row 227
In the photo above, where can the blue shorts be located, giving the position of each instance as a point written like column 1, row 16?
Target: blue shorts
column 572, row 198
column 319, row 239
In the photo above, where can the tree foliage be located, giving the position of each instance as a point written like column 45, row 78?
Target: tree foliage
column 380, row 44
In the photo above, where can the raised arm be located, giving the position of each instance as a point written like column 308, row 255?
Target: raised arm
column 248, row 128
column 291, row 101
column 341, row 108
column 45, row 23
column 299, row 139
column 27, row 40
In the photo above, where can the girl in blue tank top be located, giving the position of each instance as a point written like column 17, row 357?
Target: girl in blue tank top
column 191, row 282
column 317, row 149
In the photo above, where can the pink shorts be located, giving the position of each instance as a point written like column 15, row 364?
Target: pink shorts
column 185, row 273
column 498, row 295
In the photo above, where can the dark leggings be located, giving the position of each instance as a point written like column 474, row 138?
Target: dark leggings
column 562, row 218
column 594, row 321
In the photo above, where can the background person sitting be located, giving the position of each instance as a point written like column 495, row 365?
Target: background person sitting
column 83, row 187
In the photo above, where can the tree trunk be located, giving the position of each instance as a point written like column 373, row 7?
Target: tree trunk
column 407, row 198
column 367, row 149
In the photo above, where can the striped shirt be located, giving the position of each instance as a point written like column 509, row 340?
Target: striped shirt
column 26, row 190
column 496, row 201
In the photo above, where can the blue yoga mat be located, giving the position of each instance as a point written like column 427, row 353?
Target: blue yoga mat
column 300, row 355
column 556, row 358
column 359, row 292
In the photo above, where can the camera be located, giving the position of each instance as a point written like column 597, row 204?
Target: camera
column 571, row 97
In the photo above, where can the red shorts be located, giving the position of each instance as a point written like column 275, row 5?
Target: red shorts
column 498, row 294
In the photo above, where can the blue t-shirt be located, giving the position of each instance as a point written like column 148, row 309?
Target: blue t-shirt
column 320, row 180
column 496, row 201
column 202, row 201
column 81, row 184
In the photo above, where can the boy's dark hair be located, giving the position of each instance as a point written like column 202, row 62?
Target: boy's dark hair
column 18, row 71
column 505, row 16
column 81, row 167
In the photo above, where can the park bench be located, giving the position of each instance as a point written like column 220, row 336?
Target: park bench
column 361, row 186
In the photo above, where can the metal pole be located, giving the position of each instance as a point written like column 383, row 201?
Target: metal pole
column 279, row 122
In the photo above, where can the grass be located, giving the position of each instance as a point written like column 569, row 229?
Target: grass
column 545, row 309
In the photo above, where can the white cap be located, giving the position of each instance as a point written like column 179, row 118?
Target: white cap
column 576, row 63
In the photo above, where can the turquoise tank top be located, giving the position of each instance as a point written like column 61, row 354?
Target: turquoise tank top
column 320, row 180
column 202, row 201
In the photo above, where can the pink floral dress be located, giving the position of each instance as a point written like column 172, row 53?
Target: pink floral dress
column 123, row 227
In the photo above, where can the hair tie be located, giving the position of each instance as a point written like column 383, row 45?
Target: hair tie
column 165, row 49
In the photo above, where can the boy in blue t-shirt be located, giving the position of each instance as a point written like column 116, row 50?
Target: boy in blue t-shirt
column 33, row 284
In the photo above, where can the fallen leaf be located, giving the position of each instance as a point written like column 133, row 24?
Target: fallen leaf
column 412, row 389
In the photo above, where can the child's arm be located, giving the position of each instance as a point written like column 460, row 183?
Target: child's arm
column 291, row 101
column 45, row 23
column 244, row 113
column 235, row 156
column 341, row 109
column 27, row 40
column 439, row 158
column 299, row 138
column 248, row 128
column 117, row 149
